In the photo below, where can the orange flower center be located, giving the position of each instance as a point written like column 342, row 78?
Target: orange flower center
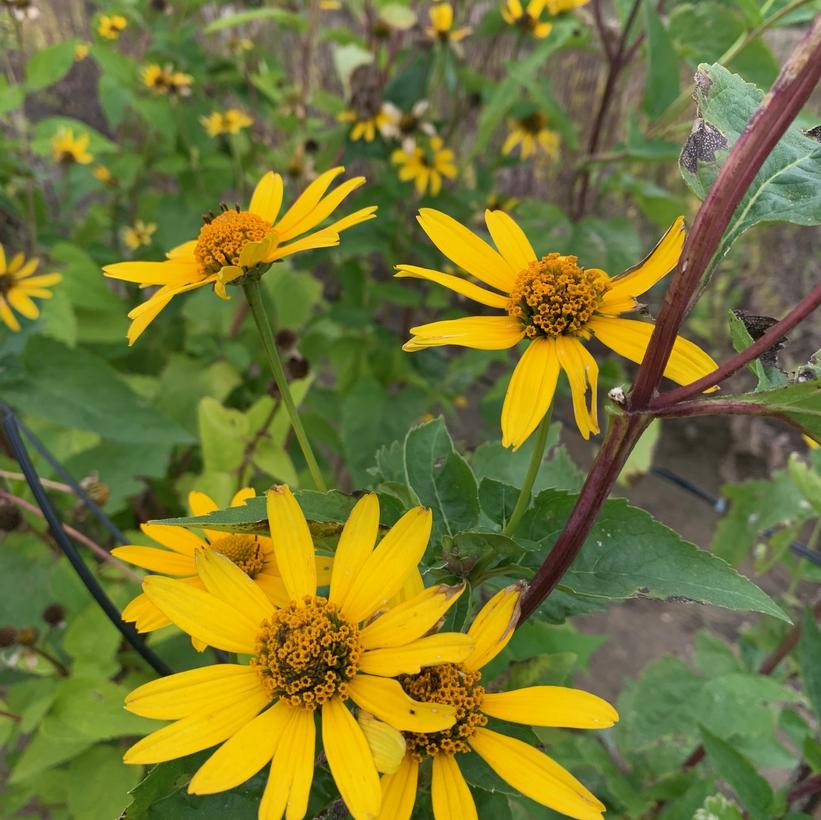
column 554, row 296
column 222, row 239
column 307, row 653
column 456, row 686
column 243, row 550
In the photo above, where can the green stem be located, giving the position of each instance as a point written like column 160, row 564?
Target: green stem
column 523, row 501
column 253, row 293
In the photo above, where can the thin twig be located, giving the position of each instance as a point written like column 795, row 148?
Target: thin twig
column 46, row 482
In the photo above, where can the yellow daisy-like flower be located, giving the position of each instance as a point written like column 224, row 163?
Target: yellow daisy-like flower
column 18, row 286
column 308, row 653
column 81, row 51
column 166, row 80
column 531, row 134
column 111, row 26
column 138, row 234
column 235, row 242
column 231, row 121
column 425, row 168
column 441, row 25
column 527, row 19
column 67, row 149
column 555, row 304
column 366, row 125
column 529, row 770
column 103, row 174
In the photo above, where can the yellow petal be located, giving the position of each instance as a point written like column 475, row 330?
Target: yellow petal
column 551, row 706
column 178, row 539
column 44, row 281
column 493, row 626
column 535, row 775
column 156, row 560
column 243, row 754
column 530, row 392
column 357, row 217
column 399, row 791
column 350, row 759
column 3, row 265
column 201, row 504
column 410, row 620
column 325, row 238
column 243, row 495
column 582, row 371
column 466, row 250
column 198, row 731
column 324, row 208
column 9, row 319
column 293, row 546
column 184, row 251
column 447, row 647
column 185, row 693
column 267, row 198
column 225, row 580
column 480, row 332
column 355, row 546
column 307, row 201
column 21, row 302
column 629, row 338
column 154, row 273
column 449, row 792
column 387, row 744
column 454, row 283
column 386, row 568
column 386, row 699
column 273, row 586
column 145, row 616
column 202, row 615
column 510, row 239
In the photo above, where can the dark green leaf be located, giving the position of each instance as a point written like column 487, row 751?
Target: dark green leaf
column 809, row 656
column 661, row 87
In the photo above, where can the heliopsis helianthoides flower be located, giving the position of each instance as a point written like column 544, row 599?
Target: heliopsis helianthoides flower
column 441, row 25
column 425, row 167
column 81, row 51
column 235, row 242
column 103, row 174
column 531, row 134
column 367, row 122
column 67, row 149
column 528, row 19
column 554, row 304
column 139, row 234
column 230, row 121
column 166, row 80
column 111, row 26
column 19, row 287
column 253, row 554
column 308, row 654
column 527, row 769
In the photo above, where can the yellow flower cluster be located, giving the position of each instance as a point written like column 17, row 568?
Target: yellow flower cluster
column 111, row 26
column 230, row 121
column 166, row 80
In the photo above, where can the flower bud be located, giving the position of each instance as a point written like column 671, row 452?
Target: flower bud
column 54, row 614
column 8, row 636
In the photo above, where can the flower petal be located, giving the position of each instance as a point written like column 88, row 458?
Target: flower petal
column 145, row 616
column 582, row 371
column 399, row 791
column 200, row 503
column 230, row 584
column 9, row 319
column 155, row 273
column 551, row 706
column 324, row 208
column 44, row 281
column 493, row 626
column 480, row 332
column 267, row 198
column 156, row 560
column 387, row 744
column 510, row 239
column 449, row 792
column 355, row 545
column 454, row 283
column 447, row 647
column 243, row 495
column 307, row 201
column 293, row 546
column 22, row 303
column 178, row 539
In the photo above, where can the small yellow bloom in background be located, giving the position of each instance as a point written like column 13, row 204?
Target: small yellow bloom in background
column 111, row 26
column 524, row 767
column 330, row 5
column 165, row 80
column 527, row 19
column 811, row 443
column 500, row 202
column 67, row 149
column 236, row 45
column 531, row 134
column 231, row 121
column 460, row 401
column 407, row 126
column 366, row 124
column 235, row 242
column 441, row 25
column 81, row 51
column 310, row 656
column 555, row 7
column 425, row 168
column 19, row 288
column 138, row 234
column 554, row 304
column 103, row 174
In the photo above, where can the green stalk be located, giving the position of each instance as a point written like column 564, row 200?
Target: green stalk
column 523, row 501
column 253, row 293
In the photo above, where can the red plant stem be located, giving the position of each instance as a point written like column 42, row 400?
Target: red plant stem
column 761, row 345
column 716, row 407
column 778, row 109
column 812, row 785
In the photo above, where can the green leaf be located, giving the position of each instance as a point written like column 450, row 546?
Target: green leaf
column 49, row 65
column 661, row 87
column 222, row 434
column 751, row 788
column 787, row 188
column 288, row 19
column 809, row 657
column 768, row 376
column 640, row 460
column 806, row 479
column 99, row 783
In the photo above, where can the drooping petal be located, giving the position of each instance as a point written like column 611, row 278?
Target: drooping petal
column 355, row 545
column 267, row 198
column 582, row 372
column 551, row 706
column 156, row 560
column 480, row 332
column 9, row 319
column 399, row 791
column 22, row 303
column 350, row 759
column 387, row 744
column 535, row 775
column 293, row 546
column 530, row 392
column 493, row 626
column 386, row 699
column 454, row 283
column 449, row 792
column 225, row 580
column 447, row 647
column 510, row 239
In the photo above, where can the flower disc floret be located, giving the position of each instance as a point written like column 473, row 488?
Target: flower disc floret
column 222, row 239
column 244, row 551
column 457, row 686
column 307, row 653
column 553, row 296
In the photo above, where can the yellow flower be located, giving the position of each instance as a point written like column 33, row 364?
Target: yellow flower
column 330, row 5
column 67, row 149
column 234, row 242
column 811, row 443
column 555, row 7
column 441, row 25
column 111, row 26
column 18, row 286
column 236, row 45
column 366, row 124
column 529, row 770
column 308, row 654
column 165, row 80
column 528, row 19
column 102, row 173
column 231, row 121
column 81, row 51
column 425, row 169
column 555, row 304
column 531, row 133
column 138, row 234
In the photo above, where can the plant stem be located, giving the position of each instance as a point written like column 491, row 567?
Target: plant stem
column 59, row 667
column 523, row 501
column 253, row 293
